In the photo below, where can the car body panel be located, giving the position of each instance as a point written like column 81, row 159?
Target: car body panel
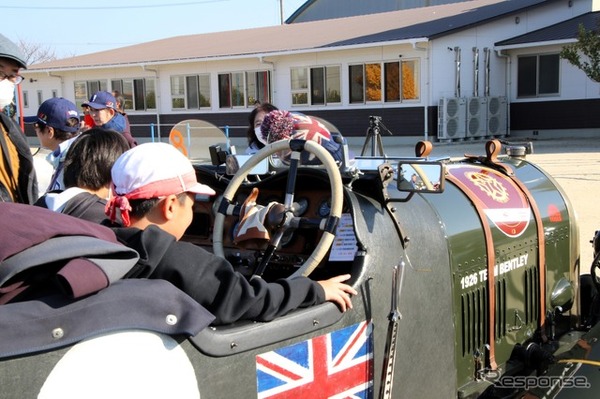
column 436, row 244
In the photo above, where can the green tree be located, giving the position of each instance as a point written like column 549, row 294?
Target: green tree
column 585, row 53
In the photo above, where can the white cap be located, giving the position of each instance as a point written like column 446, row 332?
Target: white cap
column 153, row 170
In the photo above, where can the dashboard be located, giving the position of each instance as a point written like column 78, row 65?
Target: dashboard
column 312, row 200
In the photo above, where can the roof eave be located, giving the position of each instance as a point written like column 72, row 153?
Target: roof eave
column 560, row 42
column 414, row 42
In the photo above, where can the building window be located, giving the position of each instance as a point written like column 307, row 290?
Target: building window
column 54, row 93
column 25, row 99
column 244, row 89
column 40, row 97
column 117, row 85
column 178, row 92
column 316, row 85
column 410, row 80
column 538, row 75
column 399, row 82
column 190, row 92
column 258, row 87
column 138, row 94
column 357, row 91
column 84, row 89
column 231, row 90
column 392, row 81
column 365, row 83
column 299, row 86
column 373, row 82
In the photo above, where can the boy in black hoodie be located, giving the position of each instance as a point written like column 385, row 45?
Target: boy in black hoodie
column 155, row 199
column 87, row 175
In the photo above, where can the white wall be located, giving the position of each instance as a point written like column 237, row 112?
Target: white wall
column 437, row 66
column 502, row 83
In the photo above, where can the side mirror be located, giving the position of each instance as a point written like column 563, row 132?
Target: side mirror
column 422, row 177
column 233, row 162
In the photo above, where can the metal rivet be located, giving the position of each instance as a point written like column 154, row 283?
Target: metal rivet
column 58, row 333
column 171, row 319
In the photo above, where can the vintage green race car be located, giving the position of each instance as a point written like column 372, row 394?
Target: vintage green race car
column 469, row 286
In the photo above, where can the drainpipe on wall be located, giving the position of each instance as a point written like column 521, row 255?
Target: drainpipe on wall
column 262, row 60
column 158, row 99
column 507, row 71
column 62, row 82
column 475, row 72
column 428, row 97
column 486, row 61
column 415, row 46
column 457, row 72
column 20, row 107
column 508, row 74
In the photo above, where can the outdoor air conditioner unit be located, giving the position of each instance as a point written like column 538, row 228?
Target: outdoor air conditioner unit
column 497, row 116
column 452, row 114
column 476, row 117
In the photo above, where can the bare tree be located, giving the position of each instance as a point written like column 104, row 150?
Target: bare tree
column 35, row 53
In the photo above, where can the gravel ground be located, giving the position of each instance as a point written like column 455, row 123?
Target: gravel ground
column 575, row 165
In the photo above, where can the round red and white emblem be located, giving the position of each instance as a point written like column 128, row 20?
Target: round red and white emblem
column 503, row 202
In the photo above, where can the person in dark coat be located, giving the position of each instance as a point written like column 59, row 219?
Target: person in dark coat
column 18, row 181
column 154, row 189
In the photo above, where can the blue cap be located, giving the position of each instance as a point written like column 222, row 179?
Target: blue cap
column 101, row 100
column 56, row 112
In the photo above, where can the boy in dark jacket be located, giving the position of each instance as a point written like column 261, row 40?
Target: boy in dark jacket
column 155, row 186
column 87, row 175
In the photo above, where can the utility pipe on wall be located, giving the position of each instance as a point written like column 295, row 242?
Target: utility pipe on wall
column 158, row 99
column 486, row 60
column 475, row 72
column 457, row 72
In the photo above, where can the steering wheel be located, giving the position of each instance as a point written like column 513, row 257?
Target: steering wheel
column 288, row 220
column 594, row 271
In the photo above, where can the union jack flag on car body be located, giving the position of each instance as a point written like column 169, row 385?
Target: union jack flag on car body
column 334, row 365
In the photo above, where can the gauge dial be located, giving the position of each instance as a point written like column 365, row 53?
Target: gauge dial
column 300, row 206
column 325, row 208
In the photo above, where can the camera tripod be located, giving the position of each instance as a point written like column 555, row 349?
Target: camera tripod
column 374, row 137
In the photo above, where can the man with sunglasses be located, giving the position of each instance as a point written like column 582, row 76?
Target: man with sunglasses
column 18, row 182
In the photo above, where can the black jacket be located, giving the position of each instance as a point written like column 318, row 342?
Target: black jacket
column 27, row 190
column 83, row 205
column 212, row 281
